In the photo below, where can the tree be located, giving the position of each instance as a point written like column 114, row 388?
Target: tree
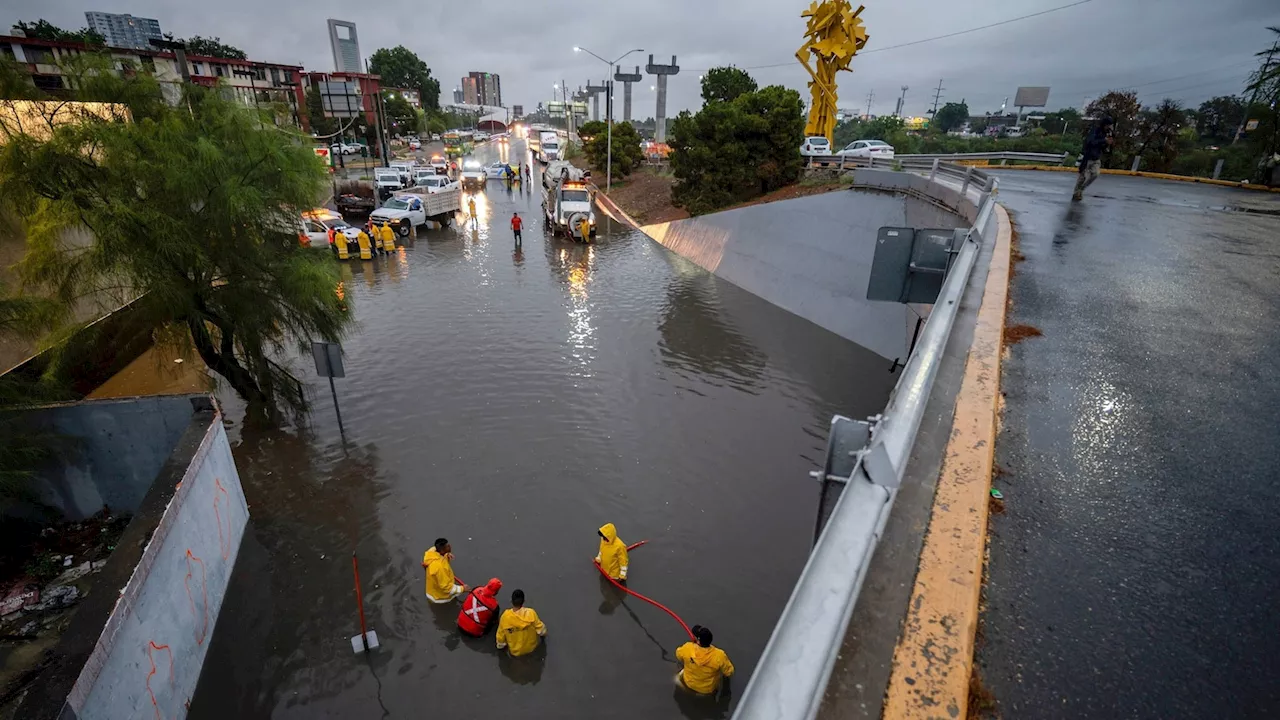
column 192, row 210
column 1057, row 122
column 45, row 30
column 1264, row 85
column 401, row 67
column 400, row 115
column 1160, row 130
column 722, row 84
column 592, row 128
column 213, row 47
column 733, row 151
column 1123, row 109
column 320, row 125
column 950, row 116
column 627, row 154
column 435, row 125
column 1218, row 118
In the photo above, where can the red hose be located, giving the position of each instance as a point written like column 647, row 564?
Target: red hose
column 629, row 591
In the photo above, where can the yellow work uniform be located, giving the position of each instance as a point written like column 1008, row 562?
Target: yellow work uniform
column 613, row 553
column 703, row 667
column 363, row 240
column 388, row 238
column 584, row 229
column 340, row 241
column 519, row 630
column 441, row 585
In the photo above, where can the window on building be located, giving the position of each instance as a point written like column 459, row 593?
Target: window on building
column 275, row 75
column 260, row 73
column 195, row 69
column 148, row 63
column 47, row 82
column 7, row 51
column 217, row 70
column 38, row 55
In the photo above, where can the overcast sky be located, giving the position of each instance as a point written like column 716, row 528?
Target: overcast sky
column 1189, row 50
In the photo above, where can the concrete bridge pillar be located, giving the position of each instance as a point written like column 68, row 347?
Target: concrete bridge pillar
column 660, row 113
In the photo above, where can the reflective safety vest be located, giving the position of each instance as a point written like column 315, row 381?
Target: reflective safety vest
column 477, row 613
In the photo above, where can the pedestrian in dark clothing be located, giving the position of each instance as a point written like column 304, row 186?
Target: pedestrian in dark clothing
column 1096, row 142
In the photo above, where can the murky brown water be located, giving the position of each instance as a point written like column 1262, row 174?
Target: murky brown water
column 513, row 402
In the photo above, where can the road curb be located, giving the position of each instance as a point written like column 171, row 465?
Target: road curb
column 1145, row 174
column 934, row 655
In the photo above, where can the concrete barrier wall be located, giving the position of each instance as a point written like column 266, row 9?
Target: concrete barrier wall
column 107, row 451
column 812, row 255
column 149, row 656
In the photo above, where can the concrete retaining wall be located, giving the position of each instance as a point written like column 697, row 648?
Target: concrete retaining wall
column 108, row 451
column 812, row 255
column 149, row 657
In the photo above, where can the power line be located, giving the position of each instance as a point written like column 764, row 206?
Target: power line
column 938, row 37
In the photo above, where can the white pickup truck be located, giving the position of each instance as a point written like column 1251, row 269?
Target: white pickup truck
column 414, row 207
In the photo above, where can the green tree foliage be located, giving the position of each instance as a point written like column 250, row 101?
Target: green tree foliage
column 435, row 124
column 1264, row 85
column 733, row 151
column 213, row 47
column 592, row 128
column 1124, row 109
column 627, row 154
column 722, row 84
column 45, row 30
column 400, row 115
column 1060, row 122
column 950, row 117
column 193, row 210
column 401, row 67
column 1217, row 118
column 1160, row 130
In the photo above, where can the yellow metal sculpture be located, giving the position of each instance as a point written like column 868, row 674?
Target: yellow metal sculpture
column 833, row 36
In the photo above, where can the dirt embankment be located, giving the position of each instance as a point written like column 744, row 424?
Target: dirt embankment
column 645, row 195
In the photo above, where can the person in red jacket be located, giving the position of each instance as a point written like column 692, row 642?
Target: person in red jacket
column 516, row 224
column 480, row 608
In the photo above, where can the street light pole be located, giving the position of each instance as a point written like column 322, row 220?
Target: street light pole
column 608, row 173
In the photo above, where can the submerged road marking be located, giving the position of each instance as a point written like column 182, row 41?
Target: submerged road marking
column 934, row 656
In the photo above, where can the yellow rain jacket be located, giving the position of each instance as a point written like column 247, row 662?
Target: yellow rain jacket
column 440, row 581
column 703, row 667
column 519, row 630
column 613, row 553
column 388, row 237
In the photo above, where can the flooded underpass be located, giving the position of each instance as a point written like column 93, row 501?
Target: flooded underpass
column 513, row 401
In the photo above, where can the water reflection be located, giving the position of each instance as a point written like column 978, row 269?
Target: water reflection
column 696, row 338
column 573, row 265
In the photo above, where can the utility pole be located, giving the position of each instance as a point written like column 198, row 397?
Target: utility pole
column 870, row 96
column 937, row 95
column 1240, row 130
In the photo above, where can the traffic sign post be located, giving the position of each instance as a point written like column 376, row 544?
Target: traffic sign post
column 328, row 357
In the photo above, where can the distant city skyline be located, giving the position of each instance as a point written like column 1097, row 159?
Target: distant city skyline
column 482, row 88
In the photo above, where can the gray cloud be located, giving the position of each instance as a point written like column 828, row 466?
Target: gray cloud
column 1177, row 48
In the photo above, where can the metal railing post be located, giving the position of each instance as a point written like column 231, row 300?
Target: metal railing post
column 933, row 172
column 968, row 175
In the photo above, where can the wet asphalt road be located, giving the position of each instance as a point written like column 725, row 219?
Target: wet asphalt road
column 513, row 401
column 1136, row 570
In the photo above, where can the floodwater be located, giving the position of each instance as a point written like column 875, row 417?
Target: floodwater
column 513, row 401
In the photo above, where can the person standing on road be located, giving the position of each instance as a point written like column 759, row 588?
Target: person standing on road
column 704, row 665
column 516, row 225
column 1098, row 141
column 471, row 207
column 528, row 173
column 388, row 238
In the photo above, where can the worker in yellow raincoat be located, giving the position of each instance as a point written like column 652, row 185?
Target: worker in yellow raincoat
column 363, row 240
column 442, row 586
column 388, row 238
column 704, row 664
column 613, row 553
column 520, row 627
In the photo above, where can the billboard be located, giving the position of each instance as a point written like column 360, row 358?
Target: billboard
column 341, row 99
column 1031, row 97
column 555, row 109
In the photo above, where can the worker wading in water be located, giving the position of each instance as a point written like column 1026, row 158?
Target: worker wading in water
column 388, row 238
column 442, row 586
column 479, row 608
column 703, row 664
column 613, row 553
column 520, row 627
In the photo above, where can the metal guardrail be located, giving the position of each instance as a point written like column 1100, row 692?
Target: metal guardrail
column 843, row 162
column 792, row 675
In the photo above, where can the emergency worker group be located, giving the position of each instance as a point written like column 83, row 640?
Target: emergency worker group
column 703, row 666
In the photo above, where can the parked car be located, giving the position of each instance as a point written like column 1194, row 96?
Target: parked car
column 439, row 164
column 816, row 145
column 496, row 171
column 317, row 223
column 415, row 144
column 345, row 148
column 867, row 149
